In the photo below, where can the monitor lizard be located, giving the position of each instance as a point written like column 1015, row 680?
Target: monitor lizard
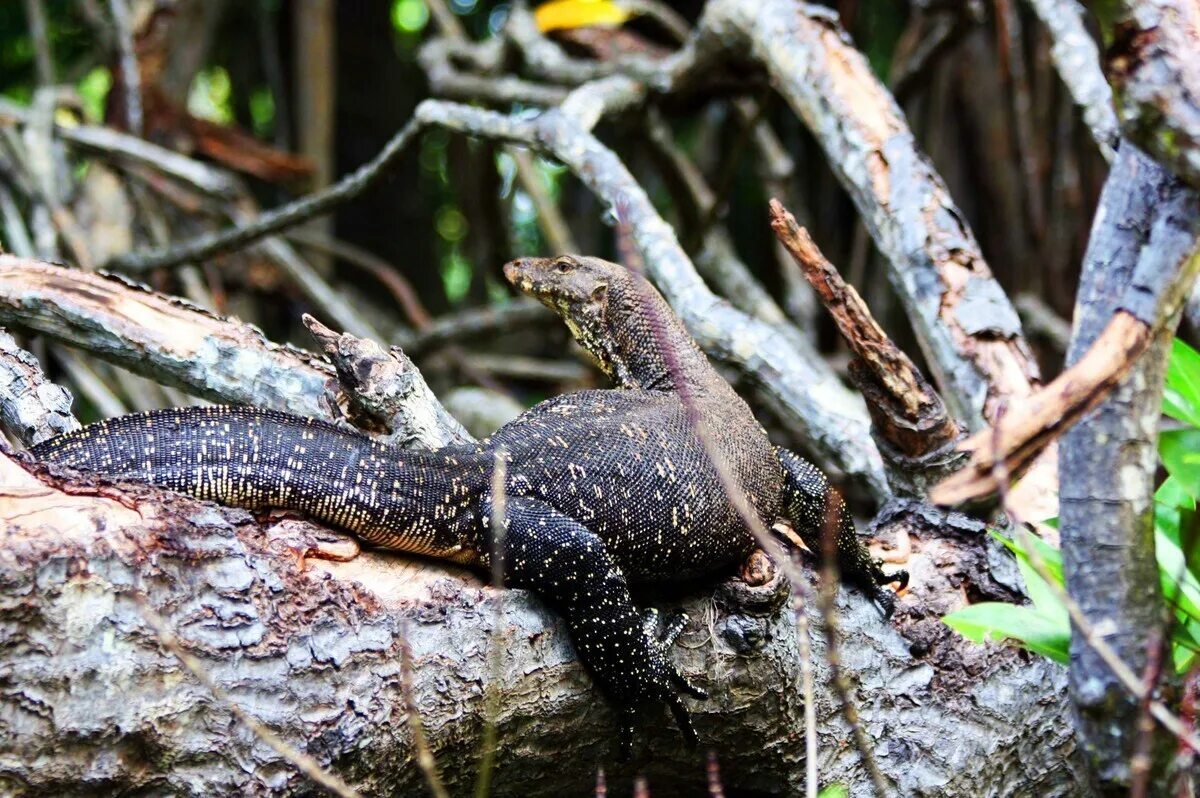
column 604, row 488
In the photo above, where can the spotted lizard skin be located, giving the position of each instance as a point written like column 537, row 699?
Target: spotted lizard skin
column 604, row 488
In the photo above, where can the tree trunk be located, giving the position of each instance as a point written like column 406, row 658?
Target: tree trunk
column 93, row 701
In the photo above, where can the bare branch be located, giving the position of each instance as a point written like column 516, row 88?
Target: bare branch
column 224, row 360
column 905, row 409
column 966, row 326
column 1165, row 268
column 1078, row 61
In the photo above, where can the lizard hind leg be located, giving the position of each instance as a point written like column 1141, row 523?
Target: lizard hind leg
column 813, row 506
column 569, row 566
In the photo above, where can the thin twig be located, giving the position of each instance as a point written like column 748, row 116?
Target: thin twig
column 277, row 219
column 396, row 283
column 810, row 703
column 487, row 745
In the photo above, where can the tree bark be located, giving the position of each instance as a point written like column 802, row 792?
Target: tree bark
column 92, row 701
column 1146, row 227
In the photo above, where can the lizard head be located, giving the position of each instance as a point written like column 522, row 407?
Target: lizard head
column 615, row 314
column 577, row 288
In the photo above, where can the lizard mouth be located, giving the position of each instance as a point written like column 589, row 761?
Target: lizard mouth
column 517, row 272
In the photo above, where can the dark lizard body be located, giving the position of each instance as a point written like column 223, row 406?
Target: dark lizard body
column 603, row 488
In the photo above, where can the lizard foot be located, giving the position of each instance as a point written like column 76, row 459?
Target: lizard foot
column 883, row 596
column 669, row 681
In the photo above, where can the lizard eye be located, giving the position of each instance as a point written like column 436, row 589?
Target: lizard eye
column 563, row 266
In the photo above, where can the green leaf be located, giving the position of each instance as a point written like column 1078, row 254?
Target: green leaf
column 1172, row 494
column 1032, row 628
column 1177, row 577
column 1050, row 557
column 835, row 790
column 1044, row 599
column 1181, row 394
column 1180, row 452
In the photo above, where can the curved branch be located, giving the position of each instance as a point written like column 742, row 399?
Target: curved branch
column 967, row 329
column 1156, row 76
column 1137, row 197
column 806, row 395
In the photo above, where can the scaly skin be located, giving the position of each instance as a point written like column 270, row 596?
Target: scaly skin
column 604, row 488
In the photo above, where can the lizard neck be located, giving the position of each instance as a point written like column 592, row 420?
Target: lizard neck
column 647, row 346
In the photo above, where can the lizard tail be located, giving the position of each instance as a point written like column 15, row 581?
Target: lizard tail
column 259, row 459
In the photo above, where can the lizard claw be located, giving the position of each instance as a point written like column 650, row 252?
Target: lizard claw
column 675, row 624
column 885, row 598
column 683, row 719
column 666, row 683
column 681, row 681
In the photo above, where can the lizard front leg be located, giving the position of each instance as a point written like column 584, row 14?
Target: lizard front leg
column 570, row 568
column 813, row 506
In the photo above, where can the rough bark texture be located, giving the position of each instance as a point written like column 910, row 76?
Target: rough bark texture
column 31, row 407
column 1146, row 228
column 906, row 413
column 91, row 700
column 1142, row 295
column 224, row 360
column 1154, row 70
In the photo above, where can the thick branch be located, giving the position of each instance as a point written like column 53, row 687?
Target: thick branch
column 311, row 649
column 175, row 343
column 968, row 330
column 1156, row 76
column 1165, row 270
column 1109, row 458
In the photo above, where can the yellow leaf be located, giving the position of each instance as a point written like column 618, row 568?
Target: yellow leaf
column 565, row 14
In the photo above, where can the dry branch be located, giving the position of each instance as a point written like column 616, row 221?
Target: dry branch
column 1166, row 267
column 906, row 411
column 968, row 330
column 175, row 343
column 387, row 393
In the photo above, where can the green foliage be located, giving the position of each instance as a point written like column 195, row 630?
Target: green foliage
column 1044, row 627
column 93, row 92
column 210, row 96
column 835, row 790
column 409, row 16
